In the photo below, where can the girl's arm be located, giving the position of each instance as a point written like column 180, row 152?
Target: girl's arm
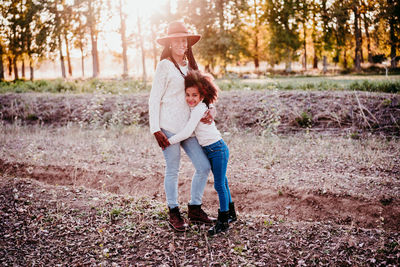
column 195, row 117
column 157, row 91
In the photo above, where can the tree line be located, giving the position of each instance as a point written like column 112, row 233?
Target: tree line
column 234, row 32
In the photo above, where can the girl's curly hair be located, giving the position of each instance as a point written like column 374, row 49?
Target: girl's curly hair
column 204, row 83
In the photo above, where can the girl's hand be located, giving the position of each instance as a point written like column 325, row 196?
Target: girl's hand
column 162, row 140
column 209, row 116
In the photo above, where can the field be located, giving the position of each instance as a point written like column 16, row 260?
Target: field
column 315, row 175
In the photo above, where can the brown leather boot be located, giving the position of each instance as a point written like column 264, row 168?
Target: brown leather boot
column 197, row 215
column 176, row 220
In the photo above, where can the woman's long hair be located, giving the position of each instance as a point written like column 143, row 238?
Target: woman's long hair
column 204, row 83
column 166, row 53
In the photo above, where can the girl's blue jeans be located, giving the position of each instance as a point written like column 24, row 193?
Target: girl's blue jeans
column 172, row 155
column 218, row 154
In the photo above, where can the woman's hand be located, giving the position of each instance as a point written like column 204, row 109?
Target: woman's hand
column 162, row 140
column 209, row 116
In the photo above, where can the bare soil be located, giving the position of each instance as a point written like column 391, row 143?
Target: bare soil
column 75, row 190
column 51, row 225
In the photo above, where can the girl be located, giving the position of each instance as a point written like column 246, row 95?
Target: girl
column 200, row 92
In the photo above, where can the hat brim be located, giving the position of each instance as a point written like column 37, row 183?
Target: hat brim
column 192, row 38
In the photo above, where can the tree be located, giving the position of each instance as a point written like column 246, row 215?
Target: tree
column 393, row 17
column 1, row 62
column 367, row 8
column 34, row 34
column 254, row 31
column 79, row 31
column 340, row 27
column 284, row 30
column 12, row 14
column 93, row 11
column 124, row 42
column 93, row 17
column 303, row 13
column 141, row 43
column 219, row 25
column 316, row 34
column 355, row 7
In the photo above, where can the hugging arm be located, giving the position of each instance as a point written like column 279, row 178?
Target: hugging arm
column 195, row 116
column 209, row 115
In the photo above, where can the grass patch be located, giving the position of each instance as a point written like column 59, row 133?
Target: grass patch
column 75, row 86
column 332, row 83
column 372, row 83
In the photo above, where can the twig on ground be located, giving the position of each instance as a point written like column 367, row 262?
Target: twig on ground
column 208, row 248
column 361, row 110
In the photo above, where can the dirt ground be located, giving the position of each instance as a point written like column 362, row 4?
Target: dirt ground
column 91, row 193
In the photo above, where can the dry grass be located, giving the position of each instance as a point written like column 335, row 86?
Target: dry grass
column 366, row 168
column 310, row 162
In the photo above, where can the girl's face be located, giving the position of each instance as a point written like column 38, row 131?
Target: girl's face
column 193, row 96
column 178, row 46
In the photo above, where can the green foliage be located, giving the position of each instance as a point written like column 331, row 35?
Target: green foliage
column 304, row 120
column 384, row 86
column 135, row 86
column 285, row 40
column 61, row 86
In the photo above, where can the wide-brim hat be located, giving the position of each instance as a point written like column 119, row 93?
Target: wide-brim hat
column 177, row 29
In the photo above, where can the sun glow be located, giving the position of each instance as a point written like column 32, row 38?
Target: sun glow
column 133, row 10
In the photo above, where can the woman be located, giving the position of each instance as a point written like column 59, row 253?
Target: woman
column 169, row 113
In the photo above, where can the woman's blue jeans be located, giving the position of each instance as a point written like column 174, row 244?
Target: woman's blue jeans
column 172, row 155
column 218, row 154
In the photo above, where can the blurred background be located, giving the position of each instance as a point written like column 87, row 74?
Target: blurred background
column 46, row 39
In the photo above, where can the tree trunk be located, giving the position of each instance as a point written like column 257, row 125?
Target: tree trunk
column 68, row 56
column 357, row 56
column 361, row 40
column 82, row 61
column 61, row 57
column 256, row 58
column 10, row 66
column 123, row 40
column 153, row 35
column 1, row 64
column 288, row 64
column 93, row 38
column 305, row 47
column 23, row 67
column 325, row 65
column 393, row 39
column 256, row 29
column 142, row 50
column 31, row 68
column 344, row 58
column 315, row 60
column 15, row 68
column 366, row 26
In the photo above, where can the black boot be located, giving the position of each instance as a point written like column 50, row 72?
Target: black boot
column 221, row 225
column 232, row 213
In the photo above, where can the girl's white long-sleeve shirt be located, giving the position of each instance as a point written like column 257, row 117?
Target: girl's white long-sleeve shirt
column 206, row 134
column 167, row 105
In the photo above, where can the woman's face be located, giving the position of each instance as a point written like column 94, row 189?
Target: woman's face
column 178, row 46
column 193, row 96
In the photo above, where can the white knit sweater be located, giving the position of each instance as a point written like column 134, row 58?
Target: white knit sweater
column 167, row 105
